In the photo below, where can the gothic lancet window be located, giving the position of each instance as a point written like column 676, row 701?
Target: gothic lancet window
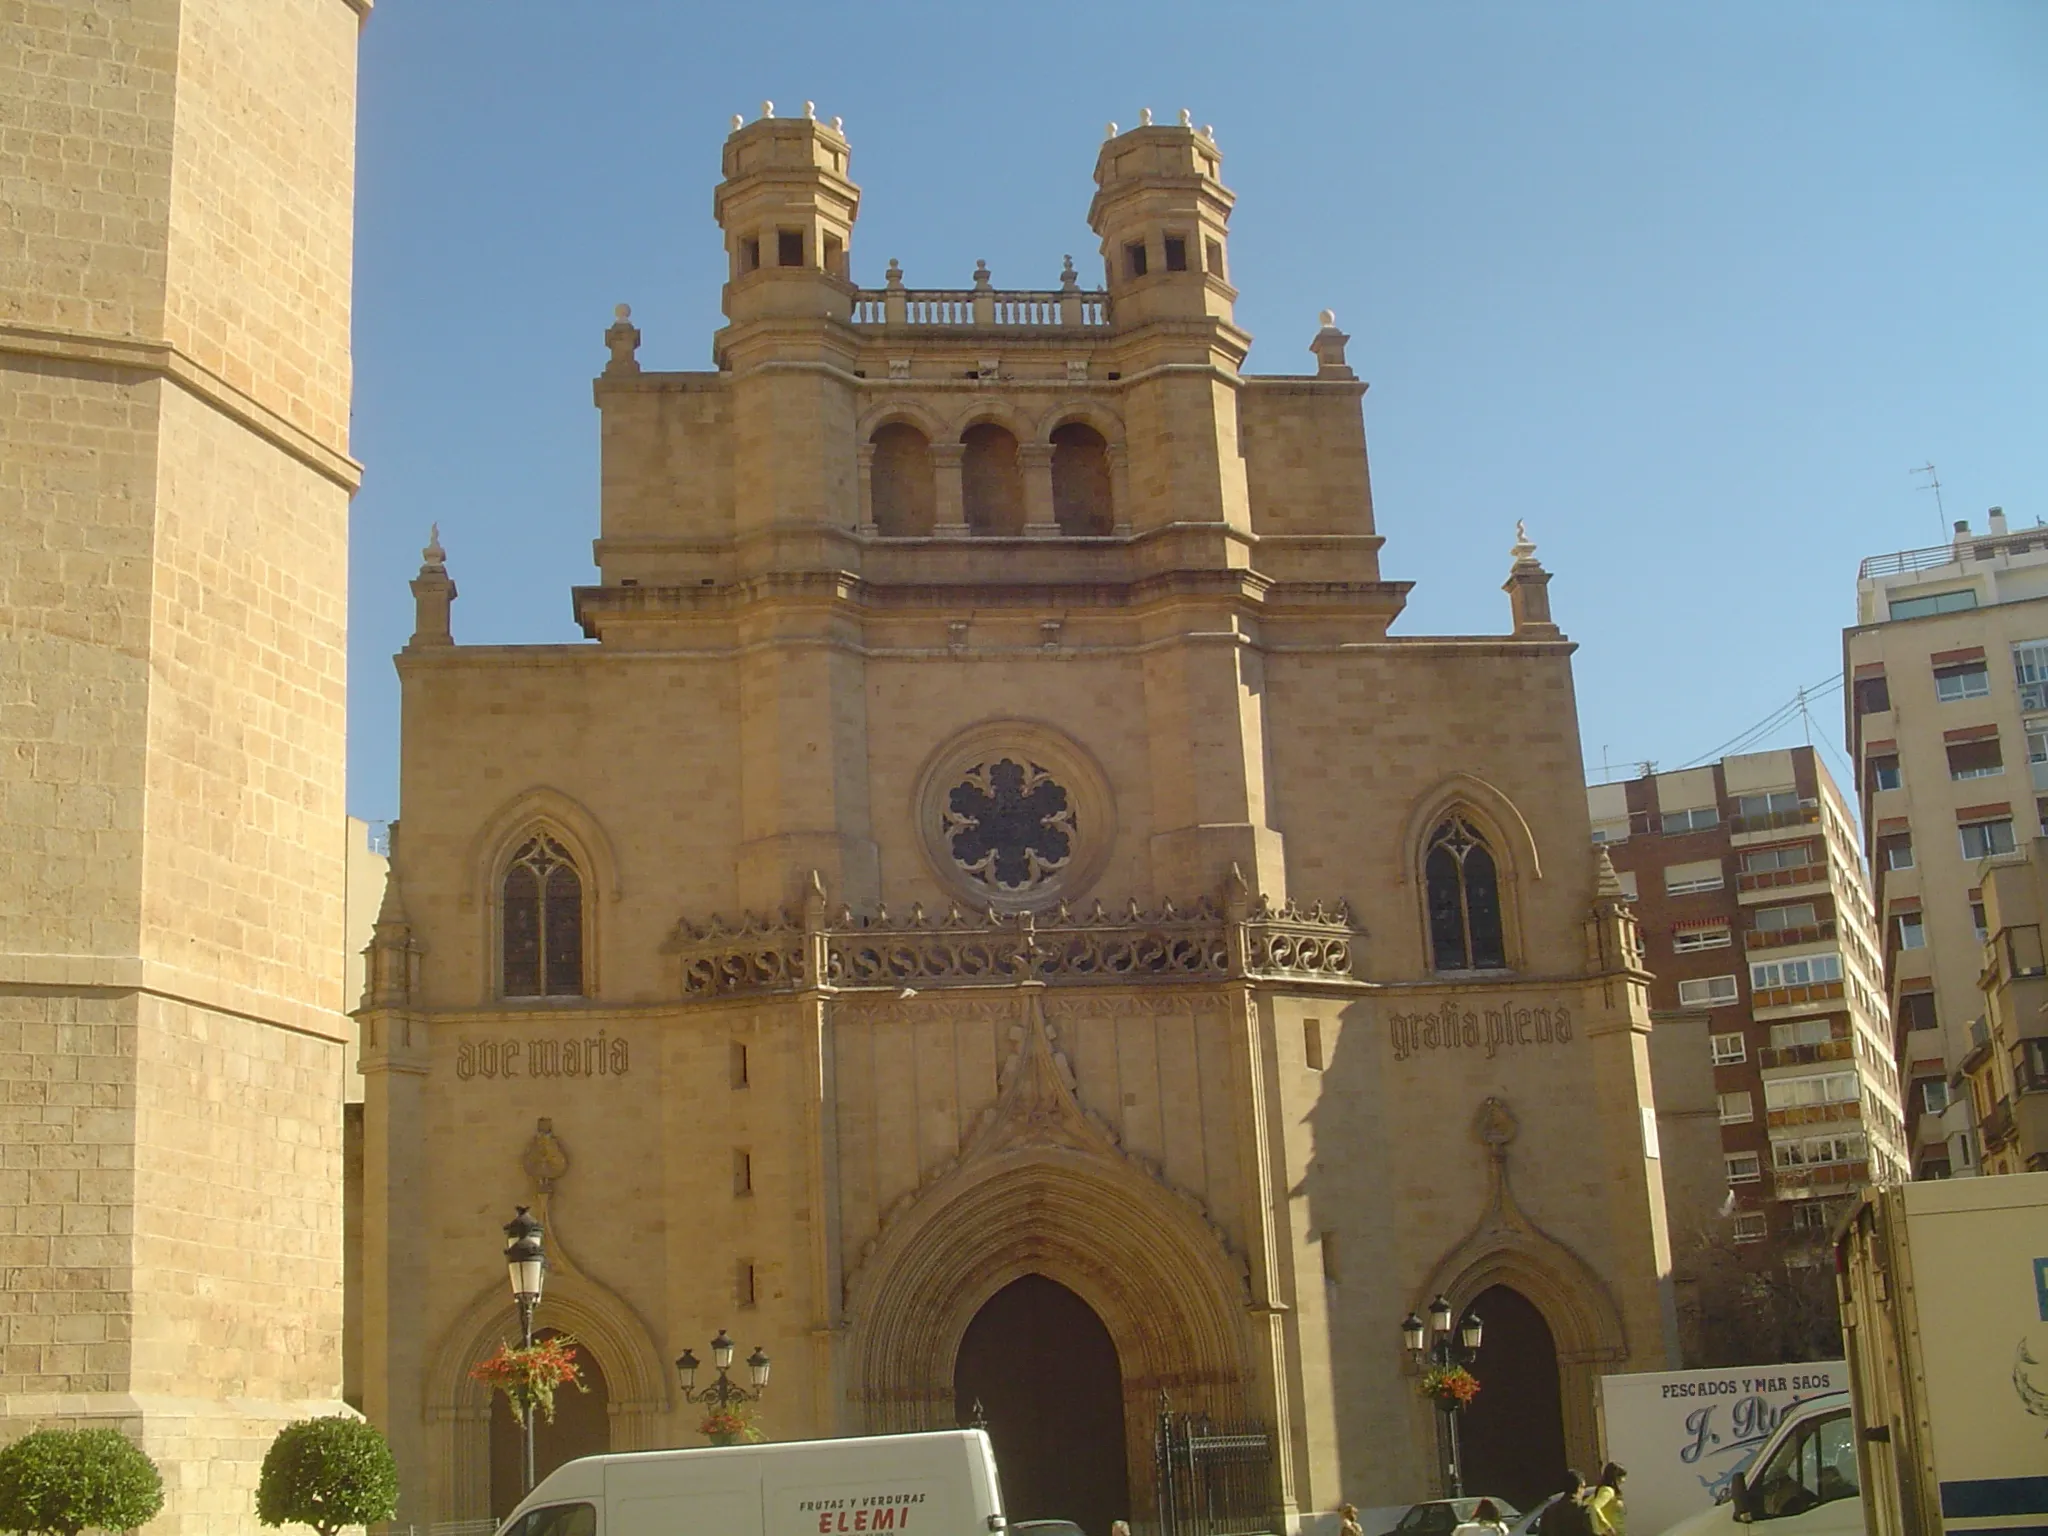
column 542, row 912
column 1463, row 883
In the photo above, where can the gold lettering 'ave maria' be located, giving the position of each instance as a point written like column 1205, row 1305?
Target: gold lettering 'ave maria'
column 1451, row 1028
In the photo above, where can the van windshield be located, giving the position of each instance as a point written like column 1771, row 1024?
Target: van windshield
column 556, row 1520
column 1816, row 1465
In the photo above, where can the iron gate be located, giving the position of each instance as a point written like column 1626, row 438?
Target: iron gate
column 1213, row 1479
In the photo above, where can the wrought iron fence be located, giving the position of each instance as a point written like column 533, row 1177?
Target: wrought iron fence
column 1213, row 1479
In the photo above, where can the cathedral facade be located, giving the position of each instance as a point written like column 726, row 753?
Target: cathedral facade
column 994, row 919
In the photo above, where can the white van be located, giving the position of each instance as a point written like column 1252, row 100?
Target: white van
column 940, row 1484
column 1802, row 1482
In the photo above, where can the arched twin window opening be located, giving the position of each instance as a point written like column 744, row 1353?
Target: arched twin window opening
column 1463, row 884
column 541, row 910
column 1080, row 481
column 906, row 502
column 991, row 483
column 904, row 492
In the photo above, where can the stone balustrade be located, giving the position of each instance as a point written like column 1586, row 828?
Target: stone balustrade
column 984, row 306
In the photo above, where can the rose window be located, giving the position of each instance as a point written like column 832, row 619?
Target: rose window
column 1008, row 825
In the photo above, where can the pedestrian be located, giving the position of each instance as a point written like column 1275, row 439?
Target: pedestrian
column 1348, row 1514
column 1566, row 1514
column 1119, row 1528
column 1485, row 1521
column 1605, row 1507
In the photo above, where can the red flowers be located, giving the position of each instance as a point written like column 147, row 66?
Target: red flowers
column 1453, row 1385
column 528, row 1377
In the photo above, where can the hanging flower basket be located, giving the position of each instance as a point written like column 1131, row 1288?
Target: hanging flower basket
column 529, row 1377
column 730, row 1426
column 1454, row 1387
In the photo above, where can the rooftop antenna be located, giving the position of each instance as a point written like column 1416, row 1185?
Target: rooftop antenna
column 1933, row 484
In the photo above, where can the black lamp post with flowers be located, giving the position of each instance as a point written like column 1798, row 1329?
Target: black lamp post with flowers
column 1443, row 1353
column 728, row 1418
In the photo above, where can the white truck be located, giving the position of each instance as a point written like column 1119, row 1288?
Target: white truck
column 1944, row 1292
column 1683, row 1435
column 1801, row 1481
column 937, row 1484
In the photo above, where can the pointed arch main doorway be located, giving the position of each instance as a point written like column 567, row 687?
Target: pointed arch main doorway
column 1513, row 1434
column 581, row 1427
column 1043, row 1372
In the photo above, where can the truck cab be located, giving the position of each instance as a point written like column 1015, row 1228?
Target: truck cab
column 1803, row 1481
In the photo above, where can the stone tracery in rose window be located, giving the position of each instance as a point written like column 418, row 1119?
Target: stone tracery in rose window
column 1009, row 825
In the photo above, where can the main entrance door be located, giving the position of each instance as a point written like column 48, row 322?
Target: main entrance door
column 1513, row 1434
column 581, row 1427
column 1044, row 1372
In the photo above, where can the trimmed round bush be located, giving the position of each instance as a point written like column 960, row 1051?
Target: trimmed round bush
column 58, row 1482
column 327, row 1473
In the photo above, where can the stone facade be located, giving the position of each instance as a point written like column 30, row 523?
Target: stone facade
column 174, row 486
column 1021, row 670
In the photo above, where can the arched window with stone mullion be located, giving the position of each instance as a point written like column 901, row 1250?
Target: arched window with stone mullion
column 1463, row 884
column 541, row 913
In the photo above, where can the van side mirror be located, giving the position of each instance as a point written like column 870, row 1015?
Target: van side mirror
column 1738, row 1495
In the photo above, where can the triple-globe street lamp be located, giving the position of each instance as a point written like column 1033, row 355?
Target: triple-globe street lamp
column 1437, row 1344
column 724, row 1393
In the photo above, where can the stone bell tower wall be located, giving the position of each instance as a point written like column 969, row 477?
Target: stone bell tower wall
column 174, row 487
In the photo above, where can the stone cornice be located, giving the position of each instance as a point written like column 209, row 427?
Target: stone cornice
column 132, row 973
column 164, row 360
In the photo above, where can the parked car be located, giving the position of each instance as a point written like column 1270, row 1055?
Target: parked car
column 1526, row 1526
column 1439, row 1517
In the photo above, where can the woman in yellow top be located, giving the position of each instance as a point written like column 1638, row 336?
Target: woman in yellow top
column 1605, row 1507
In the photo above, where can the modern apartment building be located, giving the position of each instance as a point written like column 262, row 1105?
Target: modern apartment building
column 1947, row 720
column 2005, row 1071
column 1753, row 905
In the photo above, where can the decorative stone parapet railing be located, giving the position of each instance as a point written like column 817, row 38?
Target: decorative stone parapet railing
column 785, row 952
column 984, row 306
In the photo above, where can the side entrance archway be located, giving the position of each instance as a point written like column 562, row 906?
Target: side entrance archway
column 1042, row 1370
column 581, row 1427
column 1513, row 1434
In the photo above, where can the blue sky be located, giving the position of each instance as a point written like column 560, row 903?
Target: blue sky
column 1690, row 288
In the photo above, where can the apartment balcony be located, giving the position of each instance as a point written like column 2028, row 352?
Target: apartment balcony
column 1785, row 938
column 1804, row 814
column 1805, row 1183
column 1765, row 998
column 1773, row 883
column 1805, row 1055
column 1815, row 1114
column 1995, row 1129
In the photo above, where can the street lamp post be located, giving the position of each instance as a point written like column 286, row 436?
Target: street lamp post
column 1436, row 1344
column 526, row 1267
column 724, row 1393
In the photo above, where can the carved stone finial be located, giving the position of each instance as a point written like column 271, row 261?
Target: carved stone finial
column 894, row 276
column 1209, row 132
column 1187, row 118
column 1606, row 883
column 981, row 275
column 1145, row 117
column 839, row 126
column 1328, row 348
column 1069, row 278
column 811, row 110
column 767, row 109
column 433, row 595
column 1524, row 547
column 433, row 557
column 1109, row 130
column 738, row 122
column 622, row 340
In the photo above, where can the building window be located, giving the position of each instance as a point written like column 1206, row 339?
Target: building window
column 1975, row 759
column 1736, row 1108
column 1213, row 249
column 1872, row 695
column 1751, row 1226
column 1312, row 1043
column 1690, row 941
column 1813, row 1215
column 1729, row 1049
column 1934, row 602
column 1884, row 772
column 750, row 254
column 1912, row 931
column 2030, row 671
column 1465, row 931
column 743, row 1282
column 1329, row 1247
column 1817, row 1151
column 1134, row 259
column 1697, row 820
column 1768, row 804
column 1934, row 1096
column 736, row 1064
column 1691, row 879
column 542, row 915
column 1977, row 921
column 1801, row 1032
column 789, row 247
column 1806, row 971
column 1743, row 1167
column 1895, row 850
column 1176, row 253
column 1819, row 1088
column 1916, row 1011
column 742, row 1171
column 1966, row 680
column 1760, row 861
column 1707, row 992
column 1800, row 914
column 1987, row 839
